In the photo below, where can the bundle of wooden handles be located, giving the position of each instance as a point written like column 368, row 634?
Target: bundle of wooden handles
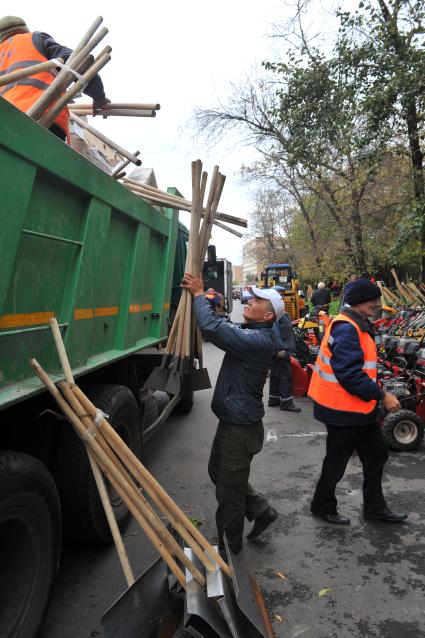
column 72, row 78
column 184, row 333
column 109, row 454
column 156, row 197
column 122, row 109
column 409, row 294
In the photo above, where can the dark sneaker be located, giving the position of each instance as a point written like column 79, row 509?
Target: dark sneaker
column 385, row 514
column 273, row 403
column 290, row 408
column 262, row 522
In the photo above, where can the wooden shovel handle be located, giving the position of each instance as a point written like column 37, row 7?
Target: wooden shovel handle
column 112, row 436
column 113, row 525
column 120, row 456
column 100, row 483
column 107, row 467
column 132, row 493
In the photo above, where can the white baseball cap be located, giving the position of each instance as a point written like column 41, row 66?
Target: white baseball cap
column 273, row 296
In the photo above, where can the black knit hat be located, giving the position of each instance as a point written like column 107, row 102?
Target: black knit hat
column 361, row 290
column 10, row 24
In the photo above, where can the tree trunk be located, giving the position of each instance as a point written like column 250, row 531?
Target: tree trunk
column 418, row 173
column 356, row 221
column 307, row 219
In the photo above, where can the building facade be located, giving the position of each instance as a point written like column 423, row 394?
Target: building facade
column 254, row 258
column 237, row 275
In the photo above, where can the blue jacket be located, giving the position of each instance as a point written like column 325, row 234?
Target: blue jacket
column 347, row 364
column 285, row 334
column 249, row 348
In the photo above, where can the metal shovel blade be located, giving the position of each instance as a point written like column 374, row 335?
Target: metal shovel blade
column 218, row 587
column 201, row 615
column 174, row 383
column 199, row 379
column 249, row 597
column 158, row 378
column 147, row 609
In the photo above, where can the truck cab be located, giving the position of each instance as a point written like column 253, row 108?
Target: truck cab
column 217, row 274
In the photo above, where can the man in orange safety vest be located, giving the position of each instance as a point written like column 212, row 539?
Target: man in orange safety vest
column 345, row 393
column 20, row 48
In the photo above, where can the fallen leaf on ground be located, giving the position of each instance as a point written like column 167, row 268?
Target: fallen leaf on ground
column 324, row 591
column 195, row 521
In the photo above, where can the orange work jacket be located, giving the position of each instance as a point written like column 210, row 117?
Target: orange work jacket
column 324, row 387
column 19, row 52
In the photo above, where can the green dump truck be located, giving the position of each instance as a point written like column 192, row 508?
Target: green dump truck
column 77, row 245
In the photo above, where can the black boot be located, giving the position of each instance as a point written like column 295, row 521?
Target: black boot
column 262, row 522
column 385, row 514
column 289, row 406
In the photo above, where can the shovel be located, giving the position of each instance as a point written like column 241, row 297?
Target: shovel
column 148, row 609
column 249, row 599
column 158, row 378
column 201, row 614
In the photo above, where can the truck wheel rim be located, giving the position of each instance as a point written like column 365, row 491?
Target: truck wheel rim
column 405, row 432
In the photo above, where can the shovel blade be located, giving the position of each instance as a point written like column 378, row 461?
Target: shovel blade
column 248, row 596
column 157, row 379
column 147, row 609
column 201, row 614
column 199, row 379
column 174, row 383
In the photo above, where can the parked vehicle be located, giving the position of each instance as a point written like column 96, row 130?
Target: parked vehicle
column 218, row 275
column 283, row 275
column 236, row 294
column 77, row 245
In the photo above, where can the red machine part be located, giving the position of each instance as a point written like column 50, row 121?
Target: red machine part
column 300, row 377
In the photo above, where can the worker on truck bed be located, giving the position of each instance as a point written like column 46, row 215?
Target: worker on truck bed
column 20, row 48
column 237, row 403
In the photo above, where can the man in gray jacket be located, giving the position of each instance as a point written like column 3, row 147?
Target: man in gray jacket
column 280, row 389
column 237, row 403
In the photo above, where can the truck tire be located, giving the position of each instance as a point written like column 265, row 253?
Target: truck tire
column 150, row 411
column 403, row 430
column 83, row 516
column 185, row 404
column 30, row 542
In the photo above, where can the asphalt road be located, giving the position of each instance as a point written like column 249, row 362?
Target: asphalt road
column 364, row 581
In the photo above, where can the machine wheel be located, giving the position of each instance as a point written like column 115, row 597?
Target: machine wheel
column 403, row 430
column 30, row 541
column 150, row 411
column 83, row 516
column 185, row 404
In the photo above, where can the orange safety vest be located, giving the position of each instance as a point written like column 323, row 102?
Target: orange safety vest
column 324, row 387
column 19, row 52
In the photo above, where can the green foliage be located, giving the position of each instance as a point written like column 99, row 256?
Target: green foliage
column 348, row 121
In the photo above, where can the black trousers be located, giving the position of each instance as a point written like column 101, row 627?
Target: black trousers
column 281, row 380
column 341, row 441
column 229, row 466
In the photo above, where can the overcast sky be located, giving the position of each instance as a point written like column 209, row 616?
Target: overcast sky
column 183, row 55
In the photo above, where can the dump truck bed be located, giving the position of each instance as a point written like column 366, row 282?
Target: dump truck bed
column 77, row 245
